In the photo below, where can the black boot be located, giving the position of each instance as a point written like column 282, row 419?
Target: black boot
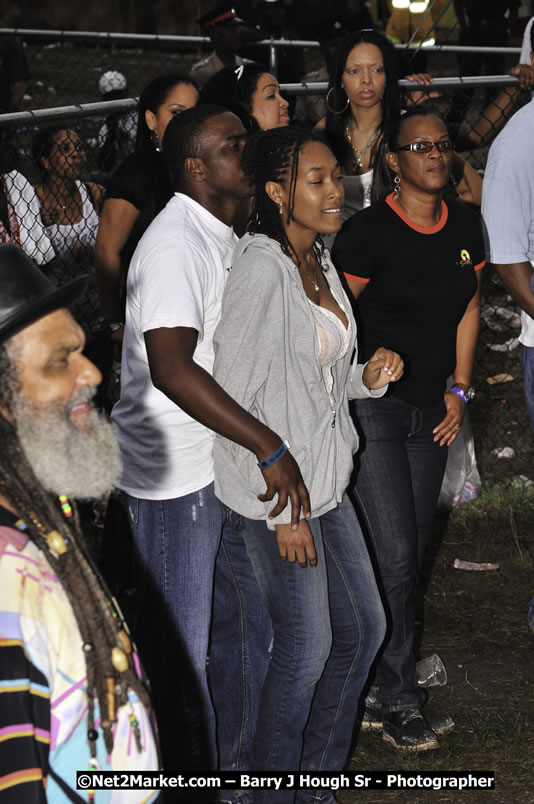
column 408, row 730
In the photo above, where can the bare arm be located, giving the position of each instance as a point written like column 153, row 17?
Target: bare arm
column 516, row 278
column 175, row 373
column 466, row 340
column 97, row 192
column 492, row 118
column 468, row 182
column 116, row 223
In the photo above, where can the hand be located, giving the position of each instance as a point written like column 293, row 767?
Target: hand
column 296, row 544
column 383, row 367
column 284, row 478
column 525, row 73
column 449, row 427
column 417, row 98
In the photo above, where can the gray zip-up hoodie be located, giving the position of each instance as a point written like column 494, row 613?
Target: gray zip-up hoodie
column 267, row 359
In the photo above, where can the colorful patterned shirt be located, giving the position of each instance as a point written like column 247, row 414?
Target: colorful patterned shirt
column 43, row 693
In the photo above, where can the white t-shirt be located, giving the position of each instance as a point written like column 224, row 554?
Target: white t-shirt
column 176, row 279
column 508, row 199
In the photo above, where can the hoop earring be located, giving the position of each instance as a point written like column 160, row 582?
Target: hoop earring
column 154, row 138
column 328, row 104
column 396, row 191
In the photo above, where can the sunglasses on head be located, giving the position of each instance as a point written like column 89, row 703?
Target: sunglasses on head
column 425, row 146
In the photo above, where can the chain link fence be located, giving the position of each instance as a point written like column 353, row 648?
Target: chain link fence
column 65, row 66
column 59, row 232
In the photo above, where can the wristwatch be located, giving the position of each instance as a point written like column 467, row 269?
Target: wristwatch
column 467, row 395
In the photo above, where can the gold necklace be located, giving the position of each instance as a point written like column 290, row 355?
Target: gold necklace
column 315, row 284
column 357, row 153
column 314, row 280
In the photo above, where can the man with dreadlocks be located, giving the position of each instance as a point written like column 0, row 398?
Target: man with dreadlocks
column 73, row 697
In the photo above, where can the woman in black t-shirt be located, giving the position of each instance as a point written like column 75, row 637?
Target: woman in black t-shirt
column 139, row 189
column 412, row 262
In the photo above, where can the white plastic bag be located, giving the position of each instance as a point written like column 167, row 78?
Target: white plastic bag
column 461, row 481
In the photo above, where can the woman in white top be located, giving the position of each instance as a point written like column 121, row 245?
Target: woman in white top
column 70, row 213
column 284, row 351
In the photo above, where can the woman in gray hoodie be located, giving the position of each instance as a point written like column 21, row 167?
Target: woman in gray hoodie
column 284, row 351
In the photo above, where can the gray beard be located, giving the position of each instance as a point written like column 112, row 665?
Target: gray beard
column 65, row 459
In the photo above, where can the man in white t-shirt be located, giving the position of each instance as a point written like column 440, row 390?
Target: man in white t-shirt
column 169, row 408
column 508, row 215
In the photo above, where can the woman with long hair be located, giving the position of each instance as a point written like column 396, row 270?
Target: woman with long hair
column 70, row 211
column 251, row 93
column 284, row 350
column 139, row 189
column 412, row 264
column 363, row 100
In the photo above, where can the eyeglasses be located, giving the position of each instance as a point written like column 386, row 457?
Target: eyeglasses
column 425, row 146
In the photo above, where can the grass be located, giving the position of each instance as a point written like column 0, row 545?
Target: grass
column 477, row 622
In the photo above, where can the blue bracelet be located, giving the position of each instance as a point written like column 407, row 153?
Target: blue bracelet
column 277, row 454
column 460, row 392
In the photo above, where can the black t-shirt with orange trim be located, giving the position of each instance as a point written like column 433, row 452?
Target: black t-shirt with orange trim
column 419, row 282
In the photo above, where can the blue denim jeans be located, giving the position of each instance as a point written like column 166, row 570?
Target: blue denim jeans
column 328, row 624
column 527, row 363
column 176, row 543
column 399, row 470
column 241, row 639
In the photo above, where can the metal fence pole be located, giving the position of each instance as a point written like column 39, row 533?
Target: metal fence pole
column 98, row 36
column 273, row 58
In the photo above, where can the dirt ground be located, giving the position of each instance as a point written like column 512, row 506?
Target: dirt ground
column 477, row 623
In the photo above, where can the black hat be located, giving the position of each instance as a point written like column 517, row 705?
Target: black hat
column 223, row 12
column 27, row 294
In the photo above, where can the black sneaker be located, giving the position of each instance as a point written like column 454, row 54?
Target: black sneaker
column 407, row 730
column 439, row 722
column 373, row 719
